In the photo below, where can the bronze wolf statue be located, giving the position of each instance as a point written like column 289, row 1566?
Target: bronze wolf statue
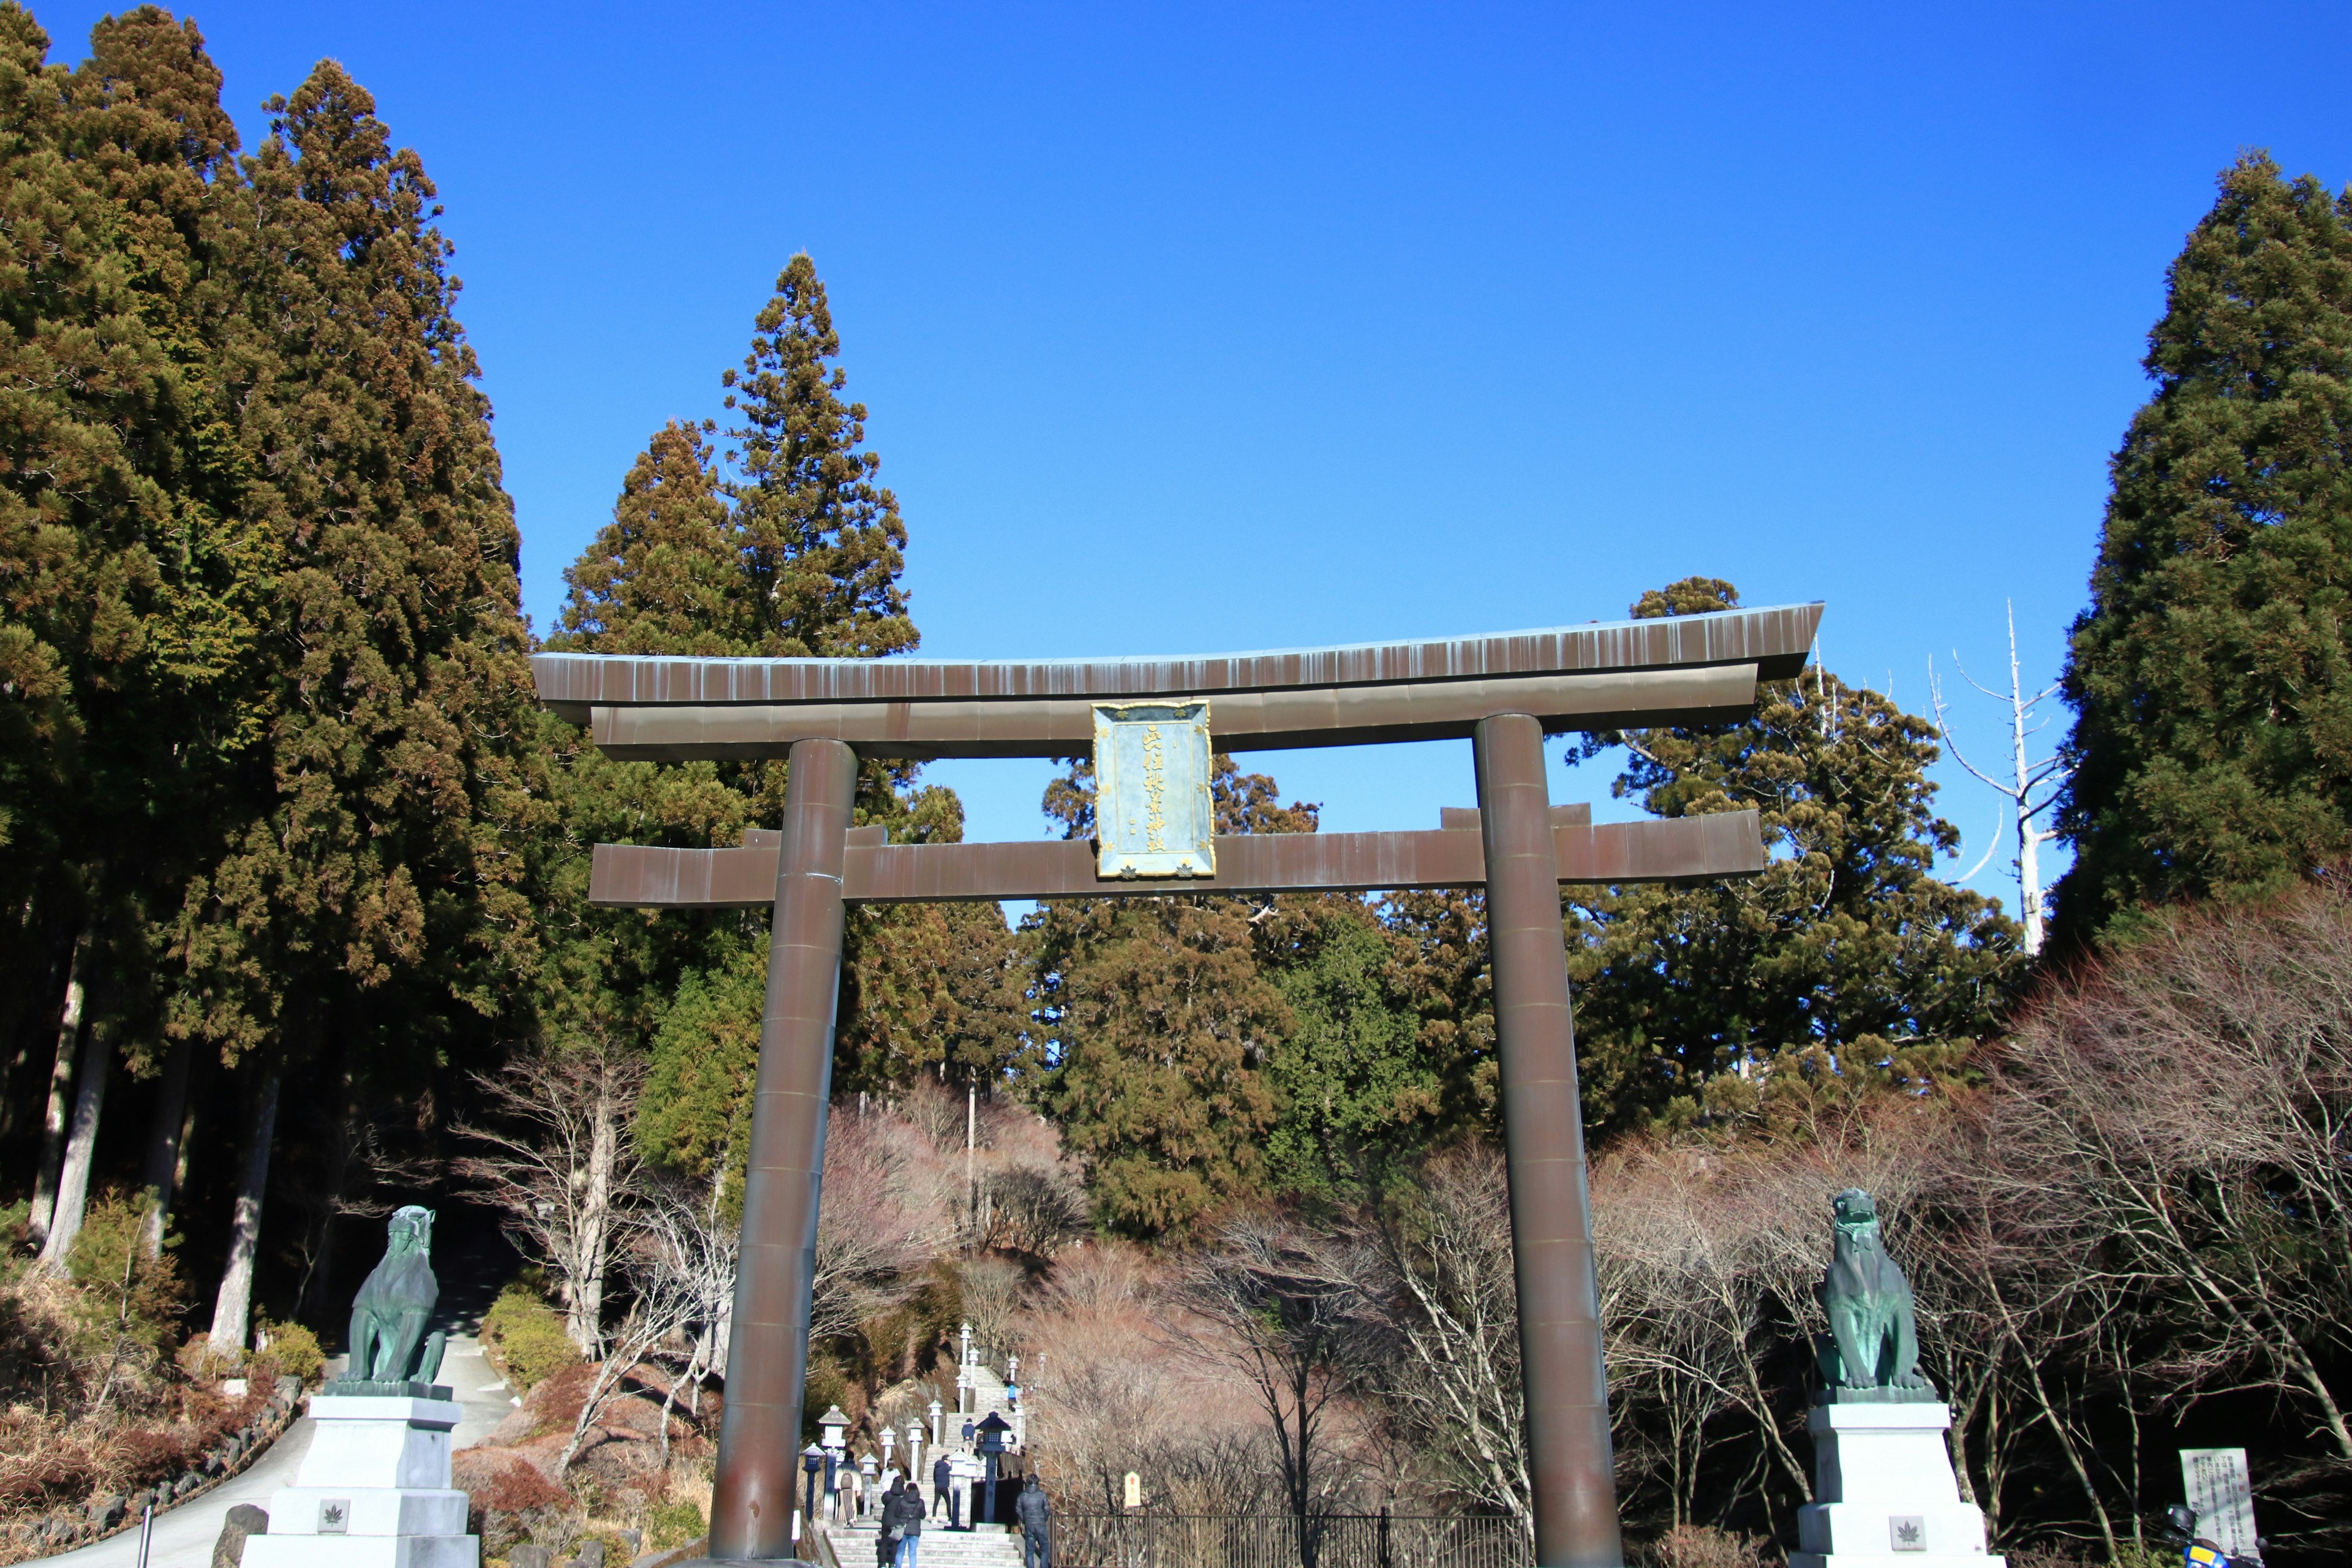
column 1873, row 1338
column 388, row 1338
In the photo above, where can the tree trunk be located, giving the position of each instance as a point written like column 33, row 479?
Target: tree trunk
column 319, row 1247
column 587, row 1323
column 164, row 1134
column 53, row 1128
column 73, row 1176
column 233, row 1309
column 15, row 1028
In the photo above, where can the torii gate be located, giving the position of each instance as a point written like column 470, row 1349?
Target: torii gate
column 1504, row 693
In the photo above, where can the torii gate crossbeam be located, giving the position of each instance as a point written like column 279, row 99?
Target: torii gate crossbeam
column 1504, row 693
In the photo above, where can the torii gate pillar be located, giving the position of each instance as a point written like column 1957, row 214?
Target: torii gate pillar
column 752, row 1501
column 1569, row 1454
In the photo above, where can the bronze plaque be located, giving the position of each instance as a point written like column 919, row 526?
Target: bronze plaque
column 1152, row 812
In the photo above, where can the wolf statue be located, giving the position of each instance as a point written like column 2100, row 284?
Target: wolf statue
column 1871, row 1353
column 389, row 1345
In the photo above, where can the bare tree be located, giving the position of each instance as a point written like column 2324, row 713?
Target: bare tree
column 1288, row 1323
column 1434, row 1277
column 1111, row 1400
column 686, row 1246
column 2031, row 787
column 665, row 1299
column 557, row 1159
column 880, row 1219
column 2176, row 1120
column 992, row 1288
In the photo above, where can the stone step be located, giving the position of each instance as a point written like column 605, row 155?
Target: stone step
column 937, row 1548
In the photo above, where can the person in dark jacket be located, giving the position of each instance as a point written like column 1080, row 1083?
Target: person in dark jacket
column 943, row 1492
column 1036, row 1517
column 885, row 1550
column 906, row 1513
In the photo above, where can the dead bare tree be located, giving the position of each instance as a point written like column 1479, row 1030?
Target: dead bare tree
column 557, row 1160
column 2030, row 788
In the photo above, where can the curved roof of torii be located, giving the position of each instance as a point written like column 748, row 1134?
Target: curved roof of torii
column 1601, row 675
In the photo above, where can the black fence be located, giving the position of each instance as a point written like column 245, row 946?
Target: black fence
column 1263, row 1540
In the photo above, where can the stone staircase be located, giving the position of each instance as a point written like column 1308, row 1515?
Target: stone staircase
column 854, row 1545
column 987, row 1395
column 987, row 1546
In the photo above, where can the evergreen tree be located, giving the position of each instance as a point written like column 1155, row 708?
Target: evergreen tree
column 137, row 590
column 1162, row 1022
column 1846, row 964
column 2212, row 746
column 1356, row 1091
column 798, row 554
column 667, row 574
column 823, row 543
column 371, row 907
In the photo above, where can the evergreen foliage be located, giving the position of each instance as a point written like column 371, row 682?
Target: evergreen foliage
column 2212, row 746
column 133, row 598
column 1162, row 1024
column 1847, row 963
column 783, row 547
column 665, row 575
column 384, row 841
column 823, row 543
column 1356, row 1091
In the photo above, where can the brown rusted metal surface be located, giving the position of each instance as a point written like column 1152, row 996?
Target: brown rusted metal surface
column 1667, row 850
column 1566, row 1390
column 767, row 1355
column 1241, row 721
column 1464, row 818
column 1775, row 640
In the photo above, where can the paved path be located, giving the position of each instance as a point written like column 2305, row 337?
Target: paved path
column 184, row 1534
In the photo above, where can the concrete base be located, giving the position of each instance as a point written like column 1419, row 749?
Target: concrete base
column 276, row 1551
column 1888, row 1499
column 373, row 1490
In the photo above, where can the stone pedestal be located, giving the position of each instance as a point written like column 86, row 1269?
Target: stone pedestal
column 1888, row 1497
column 372, row 1492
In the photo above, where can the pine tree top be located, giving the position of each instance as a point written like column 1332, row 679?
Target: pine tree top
column 824, row 544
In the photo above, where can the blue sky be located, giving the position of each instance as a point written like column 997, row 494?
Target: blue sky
column 1208, row 327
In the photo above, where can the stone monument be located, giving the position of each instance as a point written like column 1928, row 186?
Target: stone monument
column 373, row 1490
column 1884, row 1489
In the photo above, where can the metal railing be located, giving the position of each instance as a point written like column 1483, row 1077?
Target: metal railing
column 1271, row 1540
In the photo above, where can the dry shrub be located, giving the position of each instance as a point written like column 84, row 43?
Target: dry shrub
column 1703, row 1546
column 37, row 1344
column 511, row 1502
column 557, row 1401
column 44, row 1464
column 91, row 1403
column 143, row 1455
